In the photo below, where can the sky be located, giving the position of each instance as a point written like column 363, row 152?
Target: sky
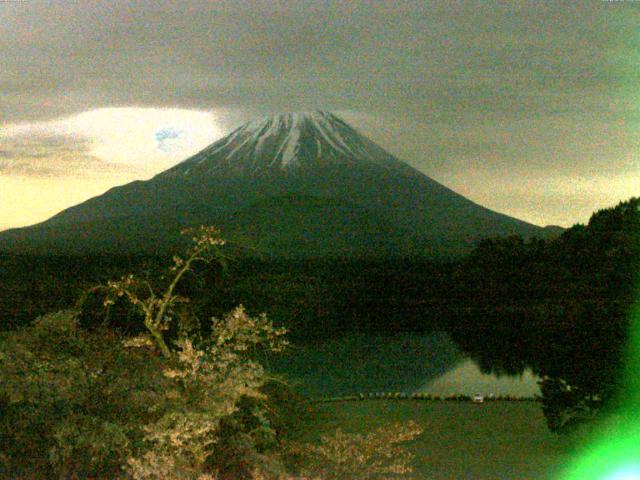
column 528, row 108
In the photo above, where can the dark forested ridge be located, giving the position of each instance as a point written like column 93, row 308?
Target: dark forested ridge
column 33, row 285
column 313, row 298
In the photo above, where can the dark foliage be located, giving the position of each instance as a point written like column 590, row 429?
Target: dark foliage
column 559, row 306
column 315, row 299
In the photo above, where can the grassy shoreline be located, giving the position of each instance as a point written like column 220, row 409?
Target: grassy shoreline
column 461, row 440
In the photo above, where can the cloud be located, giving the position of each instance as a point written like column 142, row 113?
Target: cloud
column 147, row 139
column 46, row 156
column 427, row 60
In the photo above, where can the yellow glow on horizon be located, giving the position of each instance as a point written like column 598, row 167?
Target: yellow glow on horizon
column 536, row 198
column 28, row 200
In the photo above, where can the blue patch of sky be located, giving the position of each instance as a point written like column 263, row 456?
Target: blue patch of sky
column 165, row 136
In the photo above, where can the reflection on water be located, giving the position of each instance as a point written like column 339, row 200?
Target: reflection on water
column 360, row 363
column 466, row 378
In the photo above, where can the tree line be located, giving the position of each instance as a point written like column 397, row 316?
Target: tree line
column 560, row 306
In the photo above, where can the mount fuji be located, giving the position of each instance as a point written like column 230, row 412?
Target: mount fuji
column 292, row 185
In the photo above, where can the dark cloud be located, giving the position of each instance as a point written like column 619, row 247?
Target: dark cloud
column 426, row 60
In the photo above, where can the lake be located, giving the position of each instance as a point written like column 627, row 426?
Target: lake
column 408, row 362
column 467, row 378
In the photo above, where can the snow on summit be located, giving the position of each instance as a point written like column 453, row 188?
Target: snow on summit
column 287, row 141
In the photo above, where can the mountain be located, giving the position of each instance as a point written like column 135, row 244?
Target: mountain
column 551, row 232
column 296, row 184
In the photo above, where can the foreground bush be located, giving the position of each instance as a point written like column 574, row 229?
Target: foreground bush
column 85, row 403
column 73, row 399
column 93, row 403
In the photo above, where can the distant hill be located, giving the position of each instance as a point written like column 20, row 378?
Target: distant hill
column 549, row 232
column 293, row 185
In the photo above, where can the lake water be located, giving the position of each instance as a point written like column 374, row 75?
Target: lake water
column 360, row 363
column 466, row 378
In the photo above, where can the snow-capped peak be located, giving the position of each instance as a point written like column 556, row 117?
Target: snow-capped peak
column 286, row 141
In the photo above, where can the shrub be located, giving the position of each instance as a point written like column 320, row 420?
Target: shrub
column 96, row 404
column 72, row 398
column 376, row 456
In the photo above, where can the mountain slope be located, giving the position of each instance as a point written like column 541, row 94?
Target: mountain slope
column 295, row 185
column 294, row 141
